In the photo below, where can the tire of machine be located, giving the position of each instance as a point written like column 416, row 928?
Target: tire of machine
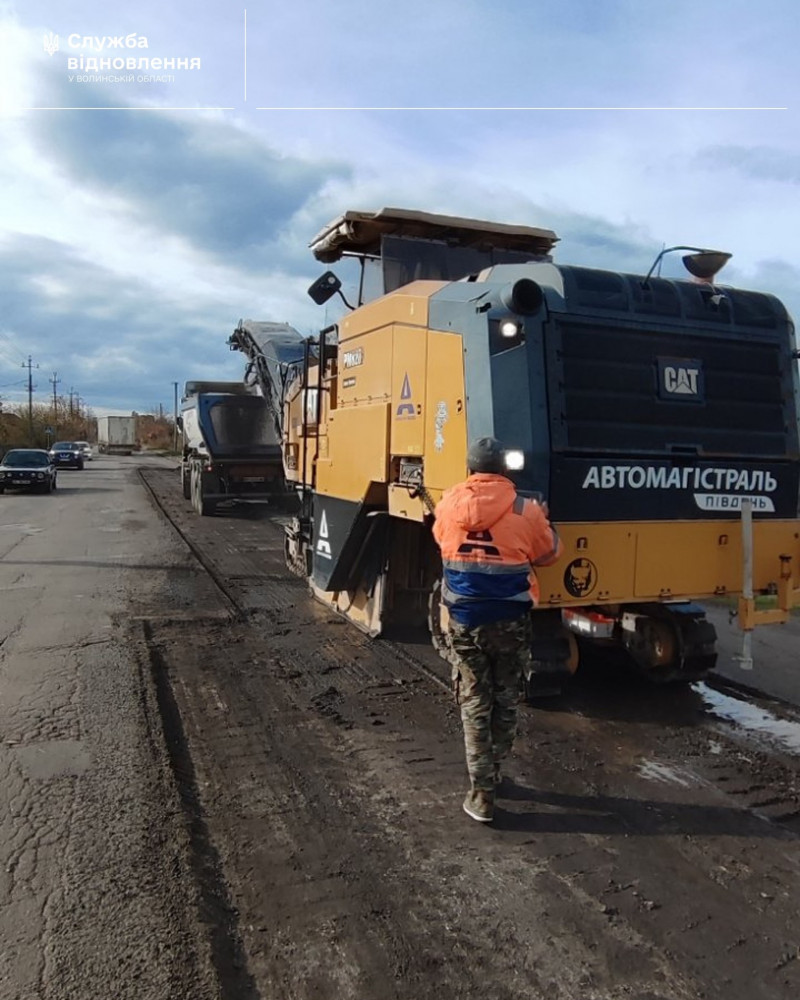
column 687, row 635
column 698, row 638
column 554, row 655
column 186, row 482
column 540, row 684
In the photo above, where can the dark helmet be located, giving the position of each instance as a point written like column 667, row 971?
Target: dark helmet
column 486, row 454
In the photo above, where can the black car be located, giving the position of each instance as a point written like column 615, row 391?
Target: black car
column 27, row 469
column 67, row 454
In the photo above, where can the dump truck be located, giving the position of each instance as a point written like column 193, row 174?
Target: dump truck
column 231, row 451
column 658, row 418
column 116, row 435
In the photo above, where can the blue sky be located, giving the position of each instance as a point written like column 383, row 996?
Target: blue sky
column 133, row 240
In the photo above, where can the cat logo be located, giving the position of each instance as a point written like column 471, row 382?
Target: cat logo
column 323, row 545
column 680, row 379
column 405, row 409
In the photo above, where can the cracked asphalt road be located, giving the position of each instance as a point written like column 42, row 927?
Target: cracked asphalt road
column 96, row 899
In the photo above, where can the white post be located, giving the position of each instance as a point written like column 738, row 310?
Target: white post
column 746, row 658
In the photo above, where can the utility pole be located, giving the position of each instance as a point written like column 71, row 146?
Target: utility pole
column 175, row 419
column 30, row 366
column 55, row 380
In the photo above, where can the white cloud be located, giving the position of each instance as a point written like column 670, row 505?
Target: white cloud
column 145, row 235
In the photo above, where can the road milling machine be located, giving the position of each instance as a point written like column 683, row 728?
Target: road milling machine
column 657, row 417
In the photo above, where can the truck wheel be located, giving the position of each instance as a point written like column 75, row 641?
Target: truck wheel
column 203, row 507
column 186, row 483
column 194, row 489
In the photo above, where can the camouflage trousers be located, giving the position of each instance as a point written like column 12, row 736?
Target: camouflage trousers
column 488, row 661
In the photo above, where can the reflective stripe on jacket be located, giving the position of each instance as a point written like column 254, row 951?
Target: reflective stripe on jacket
column 490, row 539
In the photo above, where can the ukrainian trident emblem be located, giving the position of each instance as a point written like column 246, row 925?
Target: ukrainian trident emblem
column 50, row 43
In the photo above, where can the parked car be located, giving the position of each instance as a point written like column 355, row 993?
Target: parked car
column 27, row 469
column 86, row 450
column 66, row 454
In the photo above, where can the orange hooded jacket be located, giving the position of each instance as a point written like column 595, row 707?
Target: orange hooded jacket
column 491, row 538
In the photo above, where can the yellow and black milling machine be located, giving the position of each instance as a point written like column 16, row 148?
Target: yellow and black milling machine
column 657, row 417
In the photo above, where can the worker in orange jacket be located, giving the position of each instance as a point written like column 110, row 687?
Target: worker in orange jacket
column 491, row 540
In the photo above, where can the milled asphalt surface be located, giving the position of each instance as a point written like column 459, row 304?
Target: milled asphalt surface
column 95, row 901
column 645, row 846
column 192, row 807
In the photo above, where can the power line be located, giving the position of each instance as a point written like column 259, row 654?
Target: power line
column 13, row 362
column 12, row 345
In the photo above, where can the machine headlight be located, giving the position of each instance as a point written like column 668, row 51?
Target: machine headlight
column 515, row 460
column 509, row 328
column 40, row 475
